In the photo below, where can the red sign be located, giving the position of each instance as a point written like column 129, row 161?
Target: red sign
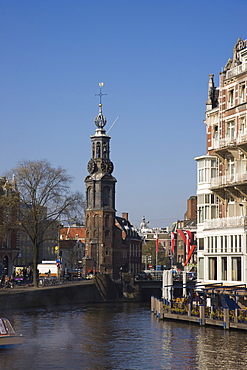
column 150, row 266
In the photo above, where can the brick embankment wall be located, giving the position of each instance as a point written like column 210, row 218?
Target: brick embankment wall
column 30, row 297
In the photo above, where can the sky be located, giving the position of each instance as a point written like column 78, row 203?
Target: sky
column 154, row 57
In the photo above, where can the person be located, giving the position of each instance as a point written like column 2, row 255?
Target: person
column 7, row 282
column 3, row 281
column 12, row 281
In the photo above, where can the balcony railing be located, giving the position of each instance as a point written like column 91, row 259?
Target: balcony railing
column 228, row 179
column 218, row 223
column 242, row 138
column 228, row 142
column 236, row 70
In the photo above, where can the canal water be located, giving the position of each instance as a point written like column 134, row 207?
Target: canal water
column 118, row 336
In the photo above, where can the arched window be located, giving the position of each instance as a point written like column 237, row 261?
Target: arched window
column 93, row 150
column 87, row 221
column 89, row 196
column 106, row 196
column 105, row 150
column 107, row 220
column 98, row 149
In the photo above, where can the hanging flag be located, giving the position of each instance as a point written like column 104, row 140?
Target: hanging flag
column 157, row 243
column 189, row 240
column 190, row 254
column 187, row 243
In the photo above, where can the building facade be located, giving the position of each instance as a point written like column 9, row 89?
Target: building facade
column 222, row 177
column 8, row 236
column 131, row 245
column 71, row 248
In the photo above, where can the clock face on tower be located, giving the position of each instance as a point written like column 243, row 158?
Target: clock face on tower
column 107, row 166
column 91, row 166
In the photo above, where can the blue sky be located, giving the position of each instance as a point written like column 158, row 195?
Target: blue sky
column 154, row 57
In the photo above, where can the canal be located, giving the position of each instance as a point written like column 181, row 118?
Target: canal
column 118, row 336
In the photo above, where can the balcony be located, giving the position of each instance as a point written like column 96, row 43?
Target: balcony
column 220, row 223
column 228, row 179
column 236, row 70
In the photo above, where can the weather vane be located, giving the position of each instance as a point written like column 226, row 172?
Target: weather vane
column 100, row 120
column 101, row 84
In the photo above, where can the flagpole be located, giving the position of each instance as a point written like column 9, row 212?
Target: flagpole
column 157, row 249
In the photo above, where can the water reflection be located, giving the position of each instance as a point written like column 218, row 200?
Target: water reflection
column 122, row 336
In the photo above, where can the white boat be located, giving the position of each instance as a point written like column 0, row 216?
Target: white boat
column 8, row 337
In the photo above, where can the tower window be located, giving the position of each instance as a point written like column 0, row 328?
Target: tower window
column 106, row 196
column 105, row 150
column 89, row 197
column 98, row 149
column 106, row 220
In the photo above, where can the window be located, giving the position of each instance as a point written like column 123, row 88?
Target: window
column 231, row 130
column 242, row 93
column 224, row 268
column 201, row 214
column 212, row 268
column 242, row 125
column 201, row 175
column 236, row 269
column 201, row 244
column 98, row 149
column 230, row 98
column 216, row 133
column 214, row 168
column 89, row 197
column 230, row 166
column 106, row 196
column 201, row 268
column 214, row 212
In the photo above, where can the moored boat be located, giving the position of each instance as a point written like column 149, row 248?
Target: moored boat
column 8, row 337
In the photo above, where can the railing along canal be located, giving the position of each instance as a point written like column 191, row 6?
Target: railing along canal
column 187, row 309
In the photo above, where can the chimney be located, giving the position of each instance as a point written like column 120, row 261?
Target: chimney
column 125, row 215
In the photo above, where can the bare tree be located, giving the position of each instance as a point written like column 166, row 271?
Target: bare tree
column 44, row 197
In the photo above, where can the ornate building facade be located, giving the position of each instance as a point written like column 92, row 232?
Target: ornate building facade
column 222, row 177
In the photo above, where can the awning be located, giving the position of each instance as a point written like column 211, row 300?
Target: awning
column 228, row 302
